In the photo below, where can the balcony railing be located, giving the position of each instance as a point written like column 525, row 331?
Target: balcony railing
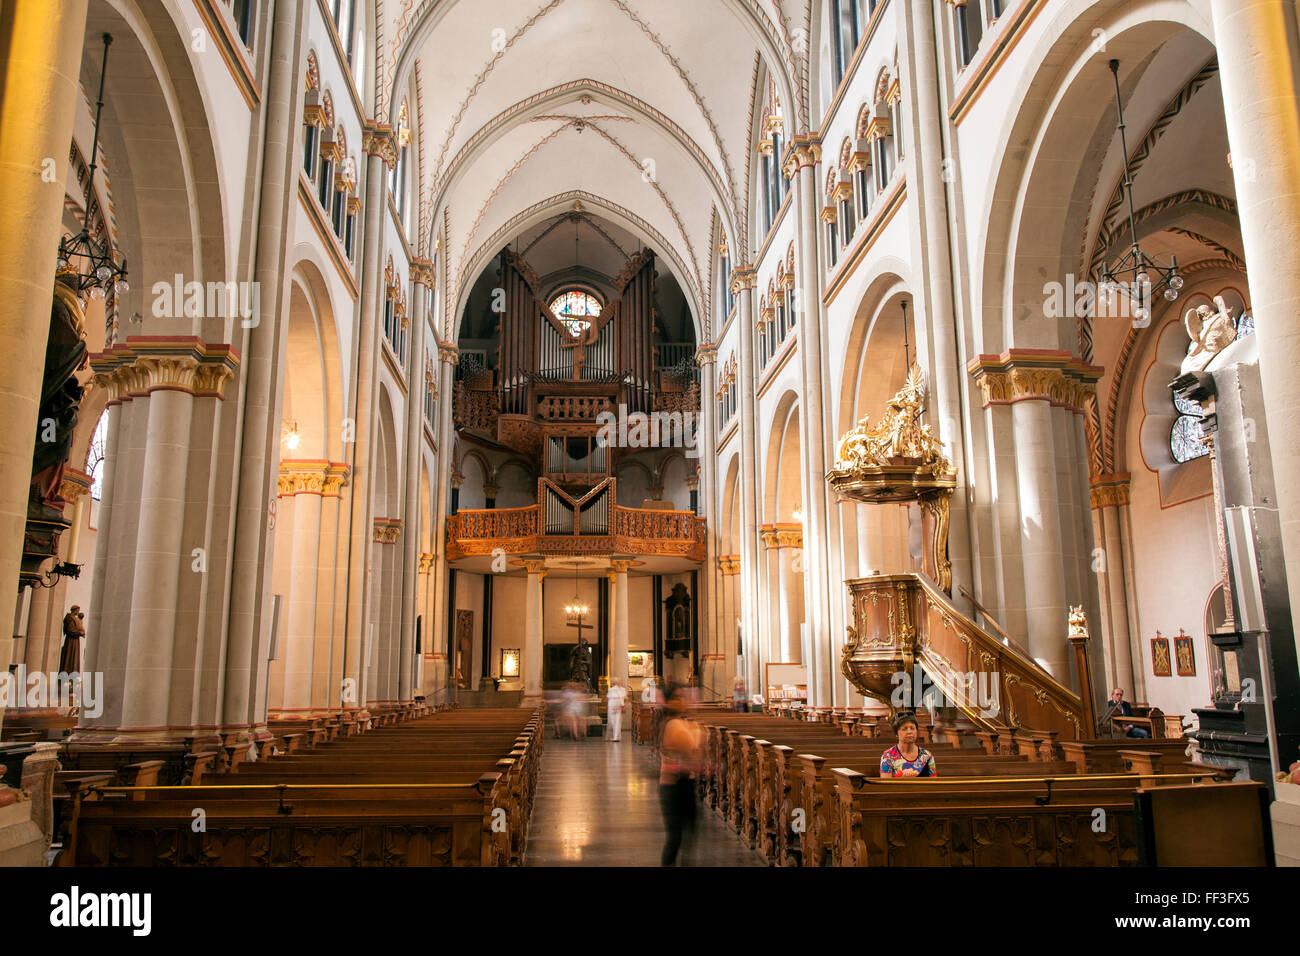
column 634, row 531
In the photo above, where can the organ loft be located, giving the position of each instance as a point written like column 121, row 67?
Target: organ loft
column 802, row 433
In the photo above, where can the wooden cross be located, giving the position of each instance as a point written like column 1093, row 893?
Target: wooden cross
column 581, row 627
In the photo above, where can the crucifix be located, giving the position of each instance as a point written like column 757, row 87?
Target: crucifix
column 580, row 626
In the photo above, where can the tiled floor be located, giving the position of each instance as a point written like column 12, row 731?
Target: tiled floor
column 597, row 804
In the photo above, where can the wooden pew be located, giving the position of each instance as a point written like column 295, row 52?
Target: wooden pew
column 452, row 789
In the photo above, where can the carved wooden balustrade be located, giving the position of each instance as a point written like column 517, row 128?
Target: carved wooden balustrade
column 475, row 409
column 573, row 408
column 518, row 531
column 902, row 620
column 682, row 401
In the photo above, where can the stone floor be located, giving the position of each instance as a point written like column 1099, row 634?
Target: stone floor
column 597, row 804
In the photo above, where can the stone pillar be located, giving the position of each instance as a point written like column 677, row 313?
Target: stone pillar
column 245, row 660
column 422, row 275
column 381, row 155
column 704, row 484
column 801, row 167
column 936, row 304
column 532, row 668
column 742, row 285
column 619, row 635
column 1034, row 383
column 40, row 56
column 1256, row 43
column 440, row 678
column 304, row 482
column 1110, row 497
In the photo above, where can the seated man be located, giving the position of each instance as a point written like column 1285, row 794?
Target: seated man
column 1118, row 705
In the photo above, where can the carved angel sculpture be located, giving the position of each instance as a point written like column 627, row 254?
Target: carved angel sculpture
column 1211, row 332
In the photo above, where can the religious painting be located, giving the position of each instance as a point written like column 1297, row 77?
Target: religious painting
column 510, row 662
column 1185, row 655
column 638, row 664
column 1160, row 656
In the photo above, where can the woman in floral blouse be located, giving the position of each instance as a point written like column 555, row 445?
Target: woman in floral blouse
column 906, row 759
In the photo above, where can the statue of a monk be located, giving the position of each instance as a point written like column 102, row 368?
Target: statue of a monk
column 580, row 664
column 74, row 629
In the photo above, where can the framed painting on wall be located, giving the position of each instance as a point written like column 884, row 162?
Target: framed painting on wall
column 1160, row 656
column 1184, row 654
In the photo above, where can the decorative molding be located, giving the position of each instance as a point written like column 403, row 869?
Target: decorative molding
column 1051, row 376
column 729, row 564
column 426, row 562
column 781, row 535
column 1108, row 491
column 146, row 363
column 387, row 530
column 803, row 151
column 311, row 477
column 75, row 484
column 379, row 139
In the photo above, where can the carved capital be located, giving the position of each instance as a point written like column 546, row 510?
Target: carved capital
column 449, row 354
column 804, row 152
column 387, row 530
column 706, row 355
column 422, row 273
column 141, row 365
column 75, row 484
column 302, row 477
column 1109, row 491
column 621, row 565
column 742, row 278
column 729, row 564
column 378, row 139
column 777, row 536
column 534, row 565
column 1019, row 375
column 426, row 562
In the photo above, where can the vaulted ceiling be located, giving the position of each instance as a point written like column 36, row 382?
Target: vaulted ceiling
column 639, row 110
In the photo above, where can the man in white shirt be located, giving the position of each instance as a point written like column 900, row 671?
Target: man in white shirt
column 616, row 697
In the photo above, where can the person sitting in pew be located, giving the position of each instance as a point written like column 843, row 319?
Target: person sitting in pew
column 1119, row 706
column 905, row 758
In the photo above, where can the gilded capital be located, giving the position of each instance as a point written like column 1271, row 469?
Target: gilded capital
column 378, row 139
column 1020, row 375
column 426, row 562
column 387, row 530
column 729, row 564
column 1109, row 491
column 534, row 565
column 742, row 278
column 141, row 365
column 75, row 484
column 301, row 477
column 422, row 273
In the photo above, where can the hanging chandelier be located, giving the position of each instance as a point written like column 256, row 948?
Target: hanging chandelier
column 86, row 263
column 1143, row 275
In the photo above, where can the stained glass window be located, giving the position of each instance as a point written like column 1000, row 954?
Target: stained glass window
column 1185, row 435
column 575, row 309
column 95, row 457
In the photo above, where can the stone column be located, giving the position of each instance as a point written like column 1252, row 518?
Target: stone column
column 261, row 401
column 422, row 276
column 381, row 155
column 801, row 167
column 936, row 305
column 706, row 491
column 532, row 668
column 327, row 656
column 1109, row 497
column 1034, row 382
column 304, row 481
column 619, row 636
column 742, row 285
column 40, row 56
column 448, row 356
column 1256, row 43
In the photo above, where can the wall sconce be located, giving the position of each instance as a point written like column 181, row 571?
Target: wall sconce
column 510, row 662
column 289, row 435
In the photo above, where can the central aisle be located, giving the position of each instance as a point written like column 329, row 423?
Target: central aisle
column 597, row 804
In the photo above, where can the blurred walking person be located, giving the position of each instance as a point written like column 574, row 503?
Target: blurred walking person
column 682, row 754
column 616, row 696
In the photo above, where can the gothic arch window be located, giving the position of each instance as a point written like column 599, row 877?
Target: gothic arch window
column 313, row 118
column 95, row 457
column 1187, row 431
column 330, row 154
column 860, row 163
column 345, row 180
column 342, row 13
column 770, row 146
column 241, row 11
column 575, row 309
column 401, row 172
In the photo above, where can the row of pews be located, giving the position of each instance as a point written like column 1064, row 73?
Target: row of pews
column 452, row 788
column 809, row 793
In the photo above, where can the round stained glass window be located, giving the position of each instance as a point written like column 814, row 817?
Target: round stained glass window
column 575, row 310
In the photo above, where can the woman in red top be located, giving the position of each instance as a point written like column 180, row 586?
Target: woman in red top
column 905, row 758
